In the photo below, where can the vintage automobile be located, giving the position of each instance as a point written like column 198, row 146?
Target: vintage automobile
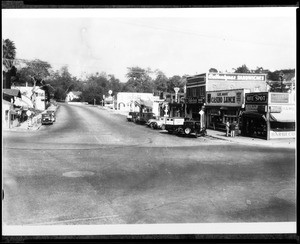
column 143, row 118
column 174, row 124
column 156, row 123
column 193, row 127
column 132, row 115
column 47, row 119
column 52, row 113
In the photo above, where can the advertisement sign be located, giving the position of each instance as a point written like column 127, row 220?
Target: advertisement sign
column 225, row 98
column 243, row 77
column 257, row 98
column 282, row 134
column 279, row 97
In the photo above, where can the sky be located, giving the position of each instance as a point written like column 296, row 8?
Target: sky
column 175, row 41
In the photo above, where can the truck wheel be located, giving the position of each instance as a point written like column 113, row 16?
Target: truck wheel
column 187, row 131
column 163, row 127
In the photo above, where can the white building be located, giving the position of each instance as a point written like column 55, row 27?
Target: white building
column 129, row 101
column 34, row 97
column 73, row 95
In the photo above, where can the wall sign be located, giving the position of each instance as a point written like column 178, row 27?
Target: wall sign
column 194, row 100
column 225, row 76
column 256, row 108
column 279, row 97
column 282, row 134
column 257, row 98
column 225, row 98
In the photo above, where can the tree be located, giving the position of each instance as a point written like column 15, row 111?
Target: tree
column 242, row 69
column 213, row 70
column 63, row 82
column 160, row 82
column 175, row 81
column 35, row 72
column 139, row 80
column 9, row 54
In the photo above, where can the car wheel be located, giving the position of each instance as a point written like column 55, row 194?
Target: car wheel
column 151, row 125
column 187, row 131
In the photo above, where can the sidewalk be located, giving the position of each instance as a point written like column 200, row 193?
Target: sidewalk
column 283, row 143
column 286, row 143
column 34, row 124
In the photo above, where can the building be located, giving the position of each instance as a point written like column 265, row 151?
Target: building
column 222, row 106
column 34, row 97
column 73, row 95
column 198, row 85
column 10, row 112
column 171, row 104
column 269, row 115
column 126, row 100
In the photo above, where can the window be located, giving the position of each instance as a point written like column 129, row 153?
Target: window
column 202, row 90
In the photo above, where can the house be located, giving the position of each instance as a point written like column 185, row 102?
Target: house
column 10, row 111
column 73, row 95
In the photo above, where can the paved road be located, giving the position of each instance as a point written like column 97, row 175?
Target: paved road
column 93, row 167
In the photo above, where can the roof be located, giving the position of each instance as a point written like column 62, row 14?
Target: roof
column 77, row 93
column 12, row 92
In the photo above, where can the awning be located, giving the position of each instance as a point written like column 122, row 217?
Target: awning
column 252, row 114
column 284, row 116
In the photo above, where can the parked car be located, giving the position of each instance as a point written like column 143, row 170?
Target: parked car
column 47, row 119
column 174, row 124
column 52, row 113
column 156, row 123
column 193, row 127
column 143, row 118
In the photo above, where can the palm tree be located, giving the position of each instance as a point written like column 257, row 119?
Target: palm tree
column 9, row 53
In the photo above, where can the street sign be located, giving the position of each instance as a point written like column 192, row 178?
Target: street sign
column 201, row 112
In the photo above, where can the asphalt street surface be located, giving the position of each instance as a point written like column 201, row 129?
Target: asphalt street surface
column 93, row 167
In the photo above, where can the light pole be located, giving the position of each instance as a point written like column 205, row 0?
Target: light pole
column 94, row 101
column 176, row 89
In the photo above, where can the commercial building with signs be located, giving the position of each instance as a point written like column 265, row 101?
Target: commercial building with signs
column 198, row 85
column 269, row 115
column 225, row 105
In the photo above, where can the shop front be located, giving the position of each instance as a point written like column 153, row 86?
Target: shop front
column 222, row 106
column 193, row 107
column 269, row 115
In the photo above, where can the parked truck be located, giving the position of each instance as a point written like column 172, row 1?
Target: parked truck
column 174, row 124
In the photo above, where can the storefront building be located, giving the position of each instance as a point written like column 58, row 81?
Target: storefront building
column 223, row 106
column 269, row 115
column 198, row 85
